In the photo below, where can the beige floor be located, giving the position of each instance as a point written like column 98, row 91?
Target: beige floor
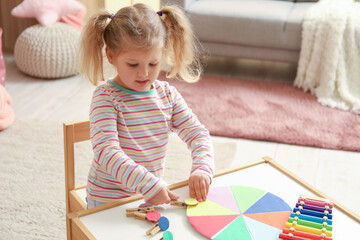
column 64, row 100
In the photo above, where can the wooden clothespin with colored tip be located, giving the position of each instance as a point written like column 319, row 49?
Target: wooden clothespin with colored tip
column 130, row 212
column 152, row 216
column 162, row 224
column 187, row 202
column 167, row 236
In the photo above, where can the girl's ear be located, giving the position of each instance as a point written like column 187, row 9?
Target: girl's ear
column 109, row 55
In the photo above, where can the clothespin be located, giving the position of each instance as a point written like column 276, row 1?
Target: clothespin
column 130, row 212
column 187, row 202
column 162, row 224
column 152, row 216
column 167, row 236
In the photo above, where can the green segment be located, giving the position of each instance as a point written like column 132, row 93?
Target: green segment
column 246, row 196
column 236, row 230
column 310, row 224
column 208, row 208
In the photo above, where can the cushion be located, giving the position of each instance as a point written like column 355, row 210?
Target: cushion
column 47, row 51
column 6, row 112
column 76, row 20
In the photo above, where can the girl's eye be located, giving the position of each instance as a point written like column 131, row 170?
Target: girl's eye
column 153, row 64
column 132, row 64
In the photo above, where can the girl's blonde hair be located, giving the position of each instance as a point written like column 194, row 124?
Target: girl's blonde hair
column 141, row 27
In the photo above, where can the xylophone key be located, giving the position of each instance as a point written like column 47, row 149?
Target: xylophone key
column 291, row 237
column 312, row 218
column 311, row 224
column 308, row 229
column 313, row 208
column 316, row 201
column 312, row 213
column 305, row 234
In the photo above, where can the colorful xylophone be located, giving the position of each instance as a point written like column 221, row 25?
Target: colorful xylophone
column 311, row 219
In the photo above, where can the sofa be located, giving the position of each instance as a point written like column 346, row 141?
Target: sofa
column 268, row 30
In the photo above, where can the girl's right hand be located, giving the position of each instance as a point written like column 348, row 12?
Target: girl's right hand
column 164, row 196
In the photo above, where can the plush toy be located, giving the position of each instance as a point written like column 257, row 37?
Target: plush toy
column 2, row 63
column 75, row 20
column 50, row 11
column 6, row 112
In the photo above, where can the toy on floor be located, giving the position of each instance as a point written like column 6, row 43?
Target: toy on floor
column 311, row 220
column 47, row 12
column 49, row 49
column 2, row 63
column 7, row 115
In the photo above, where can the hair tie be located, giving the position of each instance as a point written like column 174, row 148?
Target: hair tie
column 112, row 16
column 160, row 13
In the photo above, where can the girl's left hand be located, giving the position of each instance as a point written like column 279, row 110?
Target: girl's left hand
column 199, row 186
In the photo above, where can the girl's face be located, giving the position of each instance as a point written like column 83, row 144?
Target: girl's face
column 137, row 68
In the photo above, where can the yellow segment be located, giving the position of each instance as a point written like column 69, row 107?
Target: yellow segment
column 191, row 201
column 208, row 208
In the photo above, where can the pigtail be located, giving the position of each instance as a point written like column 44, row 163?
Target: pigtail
column 91, row 50
column 181, row 45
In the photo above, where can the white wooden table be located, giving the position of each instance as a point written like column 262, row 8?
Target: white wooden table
column 109, row 221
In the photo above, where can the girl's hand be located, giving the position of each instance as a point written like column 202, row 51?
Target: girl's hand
column 164, row 196
column 199, row 186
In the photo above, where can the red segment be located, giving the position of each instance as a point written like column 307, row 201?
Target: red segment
column 274, row 219
column 211, row 225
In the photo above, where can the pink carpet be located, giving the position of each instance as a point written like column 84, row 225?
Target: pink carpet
column 270, row 111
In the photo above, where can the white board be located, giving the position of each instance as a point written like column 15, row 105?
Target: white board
column 113, row 223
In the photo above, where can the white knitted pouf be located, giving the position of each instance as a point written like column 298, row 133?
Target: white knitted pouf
column 47, row 51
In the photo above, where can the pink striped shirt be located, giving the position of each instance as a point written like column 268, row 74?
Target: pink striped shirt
column 129, row 132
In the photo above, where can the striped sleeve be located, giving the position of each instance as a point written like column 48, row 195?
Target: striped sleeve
column 194, row 134
column 108, row 152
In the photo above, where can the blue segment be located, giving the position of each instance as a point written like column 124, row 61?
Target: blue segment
column 261, row 231
column 268, row 203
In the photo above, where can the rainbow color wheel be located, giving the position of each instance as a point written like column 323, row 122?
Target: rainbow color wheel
column 239, row 213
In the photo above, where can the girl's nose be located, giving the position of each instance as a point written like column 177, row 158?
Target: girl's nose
column 143, row 72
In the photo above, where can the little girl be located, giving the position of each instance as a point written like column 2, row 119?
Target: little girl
column 132, row 114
